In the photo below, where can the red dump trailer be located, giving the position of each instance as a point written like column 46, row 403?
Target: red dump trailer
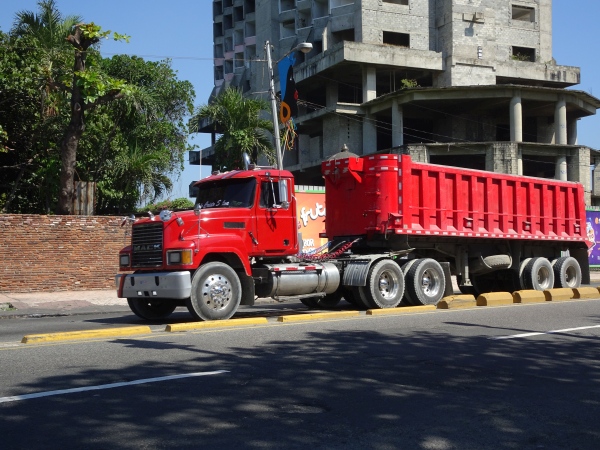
column 397, row 230
column 496, row 231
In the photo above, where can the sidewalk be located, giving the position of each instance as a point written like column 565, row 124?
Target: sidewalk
column 61, row 303
column 32, row 304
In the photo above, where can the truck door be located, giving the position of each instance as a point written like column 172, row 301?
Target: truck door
column 276, row 227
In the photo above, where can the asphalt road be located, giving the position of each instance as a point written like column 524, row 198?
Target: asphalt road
column 515, row 377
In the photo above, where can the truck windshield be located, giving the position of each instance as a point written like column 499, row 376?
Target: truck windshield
column 236, row 193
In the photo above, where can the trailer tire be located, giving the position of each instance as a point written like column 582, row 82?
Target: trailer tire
column 216, row 292
column 538, row 274
column 425, row 282
column 567, row 272
column 385, row 285
column 152, row 309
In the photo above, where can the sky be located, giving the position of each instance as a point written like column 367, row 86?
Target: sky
column 182, row 31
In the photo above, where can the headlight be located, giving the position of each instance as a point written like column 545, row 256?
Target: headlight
column 179, row 257
column 124, row 260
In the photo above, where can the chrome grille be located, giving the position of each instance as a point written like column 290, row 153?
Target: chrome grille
column 147, row 245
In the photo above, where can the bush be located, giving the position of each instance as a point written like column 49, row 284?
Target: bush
column 172, row 205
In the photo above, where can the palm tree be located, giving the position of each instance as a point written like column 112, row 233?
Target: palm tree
column 48, row 28
column 242, row 130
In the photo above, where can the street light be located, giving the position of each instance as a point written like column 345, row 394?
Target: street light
column 304, row 47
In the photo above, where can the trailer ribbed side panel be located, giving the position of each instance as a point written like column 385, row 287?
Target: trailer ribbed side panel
column 384, row 194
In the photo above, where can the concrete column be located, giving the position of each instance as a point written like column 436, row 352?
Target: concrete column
column 369, row 84
column 572, row 132
column 520, row 162
column 331, row 95
column 516, row 119
column 369, row 131
column 397, row 124
column 560, row 121
column 561, row 168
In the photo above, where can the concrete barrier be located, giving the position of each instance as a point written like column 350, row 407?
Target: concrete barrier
column 559, row 294
column 400, row 310
column 495, row 299
column 586, row 292
column 86, row 334
column 457, row 301
column 190, row 326
column 528, row 297
column 318, row 316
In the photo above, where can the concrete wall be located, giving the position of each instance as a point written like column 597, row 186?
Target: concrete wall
column 59, row 253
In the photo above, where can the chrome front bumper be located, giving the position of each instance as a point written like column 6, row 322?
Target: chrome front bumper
column 176, row 285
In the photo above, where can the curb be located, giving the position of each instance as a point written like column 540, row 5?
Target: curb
column 89, row 334
column 318, row 316
column 529, row 297
column 457, row 301
column 403, row 310
column 495, row 299
column 189, row 326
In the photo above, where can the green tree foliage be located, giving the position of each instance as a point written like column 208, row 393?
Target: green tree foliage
column 242, row 130
column 130, row 139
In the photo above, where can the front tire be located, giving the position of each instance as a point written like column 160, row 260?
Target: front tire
column 151, row 308
column 216, row 292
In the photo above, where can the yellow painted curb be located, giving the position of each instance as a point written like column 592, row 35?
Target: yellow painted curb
column 495, row 299
column 215, row 324
column 318, row 316
column 560, row 294
column 401, row 310
column 87, row 334
column 586, row 292
column 529, row 296
column 457, row 301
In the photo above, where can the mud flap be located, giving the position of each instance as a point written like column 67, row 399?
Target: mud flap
column 248, row 292
column 449, row 288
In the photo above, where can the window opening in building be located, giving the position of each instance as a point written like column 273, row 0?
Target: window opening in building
column 476, row 162
column 523, row 13
column 398, row 39
column 217, row 29
column 227, row 22
column 286, row 5
column 349, row 93
column 320, row 8
column 217, row 9
column 238, row 13
column 539, row 166
column 249, row 6
column 288, row 29
column 344, row 35
column 523, row 54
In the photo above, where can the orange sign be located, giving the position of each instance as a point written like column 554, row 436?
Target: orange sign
column 311, row 219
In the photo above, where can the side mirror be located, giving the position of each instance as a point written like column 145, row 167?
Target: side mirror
column 283, row 194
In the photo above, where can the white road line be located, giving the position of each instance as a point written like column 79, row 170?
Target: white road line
column 107, row 386
column 523, row 335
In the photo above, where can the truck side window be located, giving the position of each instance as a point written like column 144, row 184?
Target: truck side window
column 236, row 193
column 269, row 194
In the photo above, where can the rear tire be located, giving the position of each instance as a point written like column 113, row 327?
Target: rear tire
column 311, row 302
column 216, row 292
column 567, row 272
column 538, row 274
column 151, row 308
column 330, row 300
column 385, row 285
column 425, row 282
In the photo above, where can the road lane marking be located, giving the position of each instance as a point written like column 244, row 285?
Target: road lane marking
column 15, row 398
column 524, row 335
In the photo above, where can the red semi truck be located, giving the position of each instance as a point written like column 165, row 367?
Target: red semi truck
column 397, row 230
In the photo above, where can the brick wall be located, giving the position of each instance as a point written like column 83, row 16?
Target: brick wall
column 59, row 253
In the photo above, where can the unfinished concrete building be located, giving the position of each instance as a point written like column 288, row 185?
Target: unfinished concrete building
column 470, row 83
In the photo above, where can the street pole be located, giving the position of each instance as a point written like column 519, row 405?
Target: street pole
column 274, row 107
